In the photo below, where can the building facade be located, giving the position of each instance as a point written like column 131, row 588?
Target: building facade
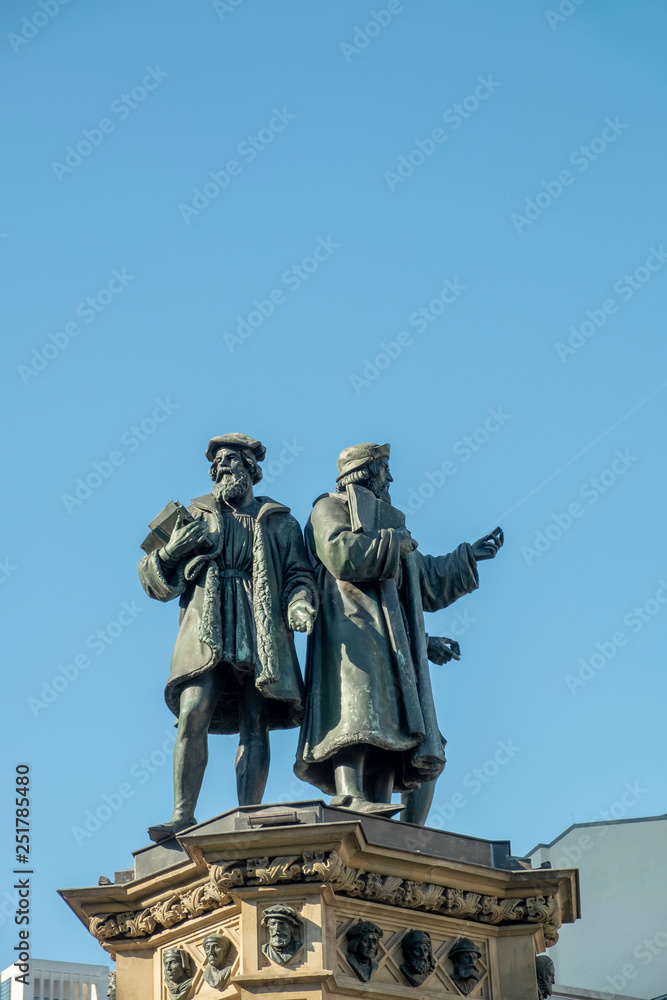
column 619, row 946
column 56, row 981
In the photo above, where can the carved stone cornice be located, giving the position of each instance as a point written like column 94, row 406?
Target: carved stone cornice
column 329, row 868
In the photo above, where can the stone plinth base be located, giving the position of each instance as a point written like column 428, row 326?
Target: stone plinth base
column 327, row 869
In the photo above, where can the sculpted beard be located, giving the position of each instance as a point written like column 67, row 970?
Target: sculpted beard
column 381, row 490
column 231, row 485
column 421, row 963
column 467, row 983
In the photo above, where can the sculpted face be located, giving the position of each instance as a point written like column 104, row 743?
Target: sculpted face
column 232, row 478
column 368, row 945
column 546, row 976
column 464, row 958
column 216, row 952
column 419, row 956
column 467, row 964
column 280, row 932
column 381, row 480
column 173, row 967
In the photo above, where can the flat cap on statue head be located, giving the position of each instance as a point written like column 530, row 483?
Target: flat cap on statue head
column 465, row 946
column 358, row 455
column 242, row 441
column 281, row 912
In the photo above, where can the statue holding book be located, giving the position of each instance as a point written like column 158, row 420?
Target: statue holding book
column 370, row 726
column 238, row 564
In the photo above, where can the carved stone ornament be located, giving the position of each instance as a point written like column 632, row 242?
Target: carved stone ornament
column 178, row 972
column 419, row 962
column 463, row 956
column 363, row 943
column 216, row 971
column 111, row 988
column 327, row 867
column 284, row 928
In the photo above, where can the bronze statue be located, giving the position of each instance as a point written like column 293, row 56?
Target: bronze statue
column 463, row 956
column 283, row 925
column 237, row 562
column 546, row 976
column 216, row 948
column 363, row 943
column 370, row 725
column 419, row 962
column 178, row 972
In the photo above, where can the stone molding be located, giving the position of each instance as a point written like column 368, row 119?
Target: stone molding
column 329, row 868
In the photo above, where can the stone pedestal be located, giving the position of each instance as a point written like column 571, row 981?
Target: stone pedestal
column 331, row 869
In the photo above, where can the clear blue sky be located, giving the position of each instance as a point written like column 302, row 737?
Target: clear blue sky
column 539, row 200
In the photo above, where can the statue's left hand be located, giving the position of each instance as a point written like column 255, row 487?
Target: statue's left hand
column 301, row 617
column 488, row 546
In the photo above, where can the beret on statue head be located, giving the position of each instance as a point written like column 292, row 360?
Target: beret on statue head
column 241, row 441
column 358, row 455
column 281, row 912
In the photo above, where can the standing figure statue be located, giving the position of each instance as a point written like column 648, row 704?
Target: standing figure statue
column 238, row 564
column 370, row 725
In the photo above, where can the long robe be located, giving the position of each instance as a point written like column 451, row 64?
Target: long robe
column 281, row 573
column 367, row 674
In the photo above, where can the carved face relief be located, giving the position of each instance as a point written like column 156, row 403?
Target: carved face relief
column 232, row 478
column 283, row 925
column 363, row 943
column 463, row 957
column 111, row 988
column 216, row 972
column 418, row 954
column 546, row 976
column 177, row 974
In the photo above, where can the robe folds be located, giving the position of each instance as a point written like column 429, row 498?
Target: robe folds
column 280, row 573
column 367, row 673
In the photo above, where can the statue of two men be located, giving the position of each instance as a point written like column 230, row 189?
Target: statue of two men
column 247, row 582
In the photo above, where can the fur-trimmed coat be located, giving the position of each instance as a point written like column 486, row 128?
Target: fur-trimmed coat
column 281, row 573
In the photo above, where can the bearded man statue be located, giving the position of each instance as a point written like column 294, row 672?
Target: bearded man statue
column 245, row 585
